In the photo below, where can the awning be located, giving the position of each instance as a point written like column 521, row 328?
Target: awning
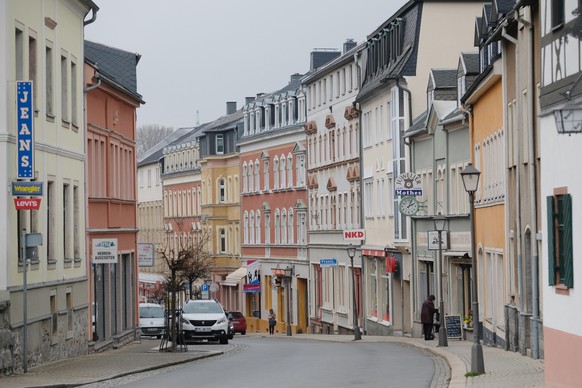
column 233, row 279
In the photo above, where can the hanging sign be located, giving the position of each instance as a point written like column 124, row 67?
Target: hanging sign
column 25, row 134
column 104, row 250
column 408, row 184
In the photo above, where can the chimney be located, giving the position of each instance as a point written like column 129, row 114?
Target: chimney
column 349, row 44
column 249, row 100
column 296, row 77
column 230, row 107
column 320, row 57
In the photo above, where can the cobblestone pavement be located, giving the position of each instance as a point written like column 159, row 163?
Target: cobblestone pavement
column 502, row 368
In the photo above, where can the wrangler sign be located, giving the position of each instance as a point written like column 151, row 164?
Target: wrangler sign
column 354, row 235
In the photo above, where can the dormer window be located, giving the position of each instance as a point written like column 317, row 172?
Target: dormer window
column 220, row 144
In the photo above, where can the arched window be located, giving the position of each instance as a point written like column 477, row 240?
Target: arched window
column 246, row 227
column 267, row 228
column 245, row 180
column 290, row 170
column 221, row 191
column 290, row 228
column 266, row 174
column 257, row 176
column 252, row 227
column 250, row 178
column 284, row 226
column 282, row 171
column 276, row 173
column 258, row 227
column 277, row 227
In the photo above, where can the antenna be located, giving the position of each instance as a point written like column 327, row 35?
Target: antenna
column 197, row 117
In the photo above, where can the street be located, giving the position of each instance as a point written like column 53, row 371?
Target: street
column 263, row 361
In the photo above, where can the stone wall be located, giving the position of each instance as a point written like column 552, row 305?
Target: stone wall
column 7, row 340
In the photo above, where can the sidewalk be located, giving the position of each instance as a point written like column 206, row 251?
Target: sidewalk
column 502, row 368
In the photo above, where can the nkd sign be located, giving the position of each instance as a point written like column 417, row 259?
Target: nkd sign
column 354, row 235
column 24, row 138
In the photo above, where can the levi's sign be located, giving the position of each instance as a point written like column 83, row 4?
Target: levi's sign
column 27, row 203
column 354, row 234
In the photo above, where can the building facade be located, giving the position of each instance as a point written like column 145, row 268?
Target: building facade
column 111, row 104
column 274, row 208
column 396, row 63
column 42, row 111
column 333, row 171
column 560, row 138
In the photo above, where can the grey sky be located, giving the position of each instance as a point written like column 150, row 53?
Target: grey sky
column 196, row 55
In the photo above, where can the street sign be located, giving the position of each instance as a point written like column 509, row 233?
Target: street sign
column 433, row 240
column 354, row 235
column 325, row 263
column 408, row 184
column 104, row 250
column 27, row 203
column 145, row 254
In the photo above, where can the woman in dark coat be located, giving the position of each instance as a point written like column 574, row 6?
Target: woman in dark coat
column 427, row 317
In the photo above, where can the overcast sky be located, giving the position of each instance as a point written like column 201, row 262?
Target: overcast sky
column 197, row 55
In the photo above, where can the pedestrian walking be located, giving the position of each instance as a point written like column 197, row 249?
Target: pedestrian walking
column 427, row 317
column 272, row 321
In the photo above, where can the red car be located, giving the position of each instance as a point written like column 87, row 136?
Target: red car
column 239, row 321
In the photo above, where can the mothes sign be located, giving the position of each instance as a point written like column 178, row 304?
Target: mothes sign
column 354, row 235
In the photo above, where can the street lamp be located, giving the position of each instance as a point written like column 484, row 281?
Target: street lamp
column 439, row 224
column 351, row 253
column 289, row 277
column 470, row 176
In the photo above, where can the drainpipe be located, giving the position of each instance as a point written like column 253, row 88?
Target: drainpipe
column 94, row 8
column 532, row 182
column 362, row 313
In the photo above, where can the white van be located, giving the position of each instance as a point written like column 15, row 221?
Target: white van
column 151, row 319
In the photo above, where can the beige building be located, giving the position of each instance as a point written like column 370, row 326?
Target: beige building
column 42, row 42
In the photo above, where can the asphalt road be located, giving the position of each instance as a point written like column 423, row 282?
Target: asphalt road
column 278, row 362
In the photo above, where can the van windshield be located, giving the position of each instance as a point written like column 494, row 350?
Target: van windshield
column 151, row 312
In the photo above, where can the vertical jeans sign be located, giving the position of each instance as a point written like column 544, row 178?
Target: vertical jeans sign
column 25, row 139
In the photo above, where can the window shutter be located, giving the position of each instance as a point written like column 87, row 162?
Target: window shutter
column 567, row 265
column 551, row 245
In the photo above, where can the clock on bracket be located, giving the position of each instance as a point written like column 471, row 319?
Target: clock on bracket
column 408, row 206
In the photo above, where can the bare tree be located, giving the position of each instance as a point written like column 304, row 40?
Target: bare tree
column 186, row 257
column 149, row 135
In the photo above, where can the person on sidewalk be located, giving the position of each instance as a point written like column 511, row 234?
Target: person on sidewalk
column 272, row 321
column 427, row 317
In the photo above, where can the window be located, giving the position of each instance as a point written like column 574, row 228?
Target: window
column 283, row 177
column 257, row 176
column 290, row 170
column 220, row 144
column 250, row 178
column 67, row 214
column 557, row 13
column 19, row 54
column 64, row 89
column 246, row 227
column 222, row 190
column 222, row 240
column 290, row 232
column 245, row 177
column 276, row 173
column 267, row 228
column 277, row 227
column 266, row 173
column 258, row 227
column 284, row 227
column 69, row 300
column 368, row 206
column 49, row 79
column 76, row 224
column 560, row 253
column 54, row 313
column 32, row 71
column 252, row 227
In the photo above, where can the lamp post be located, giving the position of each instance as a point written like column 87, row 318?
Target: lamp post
column 351, row 253
column 470, row 176
column 439, row 224
column 289, row 277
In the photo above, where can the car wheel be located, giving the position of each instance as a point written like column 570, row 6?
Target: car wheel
column 243, row 332
column 224, row 341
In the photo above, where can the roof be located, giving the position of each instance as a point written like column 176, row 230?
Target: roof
column 223, row 123
column 471, row 61
column 155, row 153
column 444, row 78
column 117, row 67
column 418, row 125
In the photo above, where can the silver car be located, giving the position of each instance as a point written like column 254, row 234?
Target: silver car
column 203, row 320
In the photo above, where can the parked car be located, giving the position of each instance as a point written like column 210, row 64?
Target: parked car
column 203, row 319
column 151, row 319
column 230, row 328
column 239, row 321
